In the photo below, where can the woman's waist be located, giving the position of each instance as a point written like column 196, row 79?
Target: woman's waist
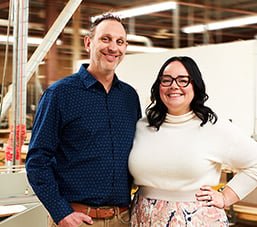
column 162, row 194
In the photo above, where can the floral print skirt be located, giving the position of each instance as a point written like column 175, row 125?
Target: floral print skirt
column 161, row 213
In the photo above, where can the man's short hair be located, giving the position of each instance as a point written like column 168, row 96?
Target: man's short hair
column 105, row 16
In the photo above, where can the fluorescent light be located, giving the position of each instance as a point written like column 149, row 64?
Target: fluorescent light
column 163, row 6
column 145, row 49
column 30, row 40
column 235, row 22
column 37, row 41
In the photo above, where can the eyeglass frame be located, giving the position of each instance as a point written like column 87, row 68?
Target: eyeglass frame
column 172, row 80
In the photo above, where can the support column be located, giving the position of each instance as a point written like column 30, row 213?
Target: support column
column 76, row 39
column 206, row 35
column 190, row 21
column 255, row 93
column 18, row 128
column 52, row 55
column 218, row 17
column 176, row 27
column 43, row 48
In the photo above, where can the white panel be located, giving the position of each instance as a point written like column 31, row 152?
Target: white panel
column 228, row 71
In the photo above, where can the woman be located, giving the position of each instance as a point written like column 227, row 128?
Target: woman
column 178, row 153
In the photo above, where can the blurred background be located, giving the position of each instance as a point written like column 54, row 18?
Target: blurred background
column 148, row 31
column 158, row 29
column 42, row 41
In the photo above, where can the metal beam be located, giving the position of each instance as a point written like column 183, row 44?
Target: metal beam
column 44, row 47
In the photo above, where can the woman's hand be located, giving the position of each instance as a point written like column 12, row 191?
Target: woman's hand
column 210, row 197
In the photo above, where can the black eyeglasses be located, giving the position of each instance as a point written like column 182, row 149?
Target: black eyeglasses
column 181, row 81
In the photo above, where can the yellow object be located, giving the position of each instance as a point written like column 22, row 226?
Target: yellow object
column 219, row 187
column 134, row 189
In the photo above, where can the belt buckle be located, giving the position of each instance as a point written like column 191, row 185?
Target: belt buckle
column 108, row 208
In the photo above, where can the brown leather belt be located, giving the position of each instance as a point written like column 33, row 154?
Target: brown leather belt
column 98, row 212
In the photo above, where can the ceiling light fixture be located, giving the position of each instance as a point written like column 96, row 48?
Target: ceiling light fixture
column 235, row 22
column 163, row 6
column 145, row 49
column 31, row 40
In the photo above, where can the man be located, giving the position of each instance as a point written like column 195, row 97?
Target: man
column 82, row 135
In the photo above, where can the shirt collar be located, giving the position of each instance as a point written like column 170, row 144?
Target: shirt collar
column 89, row 80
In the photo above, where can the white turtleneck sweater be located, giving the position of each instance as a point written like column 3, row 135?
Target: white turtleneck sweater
column 183, row 156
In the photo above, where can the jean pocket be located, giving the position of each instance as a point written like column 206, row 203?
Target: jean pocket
column 83, row 224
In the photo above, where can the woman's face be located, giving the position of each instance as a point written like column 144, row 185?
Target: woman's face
column 176, row 98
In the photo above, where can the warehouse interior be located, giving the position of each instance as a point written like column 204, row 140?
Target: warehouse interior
column 52, row 48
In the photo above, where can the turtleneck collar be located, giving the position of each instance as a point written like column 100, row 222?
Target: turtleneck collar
column 179, row 119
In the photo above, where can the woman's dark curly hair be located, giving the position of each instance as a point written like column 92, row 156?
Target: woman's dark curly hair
column 156, row 111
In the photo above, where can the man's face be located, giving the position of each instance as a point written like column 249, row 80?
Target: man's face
column 108, row 46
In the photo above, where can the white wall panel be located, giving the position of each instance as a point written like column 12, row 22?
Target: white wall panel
column 229, row 71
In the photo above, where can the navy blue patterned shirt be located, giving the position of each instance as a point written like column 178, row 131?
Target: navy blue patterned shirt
column 80, row 142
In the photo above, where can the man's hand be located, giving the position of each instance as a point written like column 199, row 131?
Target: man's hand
column 74, row 220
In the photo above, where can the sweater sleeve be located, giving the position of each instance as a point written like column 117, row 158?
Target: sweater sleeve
column 242, row 156
column 242, row 184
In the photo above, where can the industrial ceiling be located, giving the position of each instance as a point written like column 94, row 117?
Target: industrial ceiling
column 161, row 29
column 157, row 27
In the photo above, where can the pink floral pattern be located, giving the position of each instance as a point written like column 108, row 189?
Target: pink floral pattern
column 160, row 213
